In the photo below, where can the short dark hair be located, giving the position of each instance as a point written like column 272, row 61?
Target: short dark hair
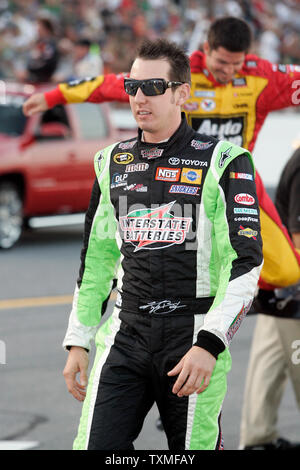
column 83, row 42
column 231, row 33
column 47, row 23
column 180, row 70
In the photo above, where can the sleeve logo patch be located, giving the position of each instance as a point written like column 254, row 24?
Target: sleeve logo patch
column 245, row 199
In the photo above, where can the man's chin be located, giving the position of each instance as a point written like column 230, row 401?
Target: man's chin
column 223, row 80
column 145, row 128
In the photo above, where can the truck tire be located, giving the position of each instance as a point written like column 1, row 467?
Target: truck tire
column 11, row 214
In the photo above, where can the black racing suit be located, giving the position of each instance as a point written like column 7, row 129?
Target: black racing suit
column 178, row 224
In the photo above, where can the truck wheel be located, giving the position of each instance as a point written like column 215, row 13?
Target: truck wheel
column 11, row 215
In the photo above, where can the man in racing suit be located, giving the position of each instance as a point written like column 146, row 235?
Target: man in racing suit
column 174, row 216
column 231, row 95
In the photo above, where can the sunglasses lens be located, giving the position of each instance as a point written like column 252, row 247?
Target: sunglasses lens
column 153, row 87
column 131, row 87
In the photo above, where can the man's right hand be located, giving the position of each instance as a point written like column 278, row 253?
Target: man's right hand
column 78, row 362
column 35, row 104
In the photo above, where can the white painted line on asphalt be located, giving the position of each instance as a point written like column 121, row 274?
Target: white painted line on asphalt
column 18, row 445
column 56, row 221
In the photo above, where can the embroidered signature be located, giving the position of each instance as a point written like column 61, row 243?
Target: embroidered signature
column 156, row 307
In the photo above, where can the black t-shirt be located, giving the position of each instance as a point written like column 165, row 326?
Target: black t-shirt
column 287, row 199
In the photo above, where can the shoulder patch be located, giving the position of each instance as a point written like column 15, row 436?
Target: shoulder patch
column 251, row 64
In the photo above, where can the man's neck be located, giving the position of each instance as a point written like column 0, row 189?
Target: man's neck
column 143, row 139
column 156, row 138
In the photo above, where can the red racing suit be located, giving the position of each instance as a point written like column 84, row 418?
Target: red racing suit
column 236, row 112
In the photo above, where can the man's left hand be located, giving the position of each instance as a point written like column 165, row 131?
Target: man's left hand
column 195, row 370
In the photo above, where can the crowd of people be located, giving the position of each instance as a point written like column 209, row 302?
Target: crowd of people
column 82, row 38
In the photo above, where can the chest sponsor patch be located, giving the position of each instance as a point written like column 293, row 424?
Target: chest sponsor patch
column 123, row 158
column 139, row 188
column 208, row 104
column 245, row 199
column 240, row 81
column 167, row 174
column 174, row 161
column 152, row 229
column 223, row 128
column 182, row 189
column 152, row 153
column 240, row 176
column 199, row 145
column 189, row 162
column 191, row 175
column 191, row 106
column 136, row 167
column 127, row 145
column 118, row 180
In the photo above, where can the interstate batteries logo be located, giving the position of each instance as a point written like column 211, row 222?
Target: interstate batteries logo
column 152, row 229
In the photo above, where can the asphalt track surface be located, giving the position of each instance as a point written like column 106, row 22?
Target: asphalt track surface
column 36, row 411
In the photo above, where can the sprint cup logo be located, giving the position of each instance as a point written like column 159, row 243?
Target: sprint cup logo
column 123, row 158
column 152, row 229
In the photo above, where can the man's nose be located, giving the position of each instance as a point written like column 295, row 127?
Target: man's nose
column 228, row 69
column 140, row 97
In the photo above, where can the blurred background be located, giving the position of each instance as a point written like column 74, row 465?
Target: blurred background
column 53, row 41
column 102, row 25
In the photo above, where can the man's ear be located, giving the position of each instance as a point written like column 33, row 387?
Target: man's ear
column 184, row 92
column 206, row 48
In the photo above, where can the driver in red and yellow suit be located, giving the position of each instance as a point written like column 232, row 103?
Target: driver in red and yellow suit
column 232, row 107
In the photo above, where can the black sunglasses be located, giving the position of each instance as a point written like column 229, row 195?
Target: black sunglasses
column 149, row 87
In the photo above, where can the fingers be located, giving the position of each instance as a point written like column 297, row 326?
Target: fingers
column 191, row 379
column 179, row 382
column 35, row 104
column 176, row 370
column 77, row 363
column 29, row 108
column 74, row 387
column 83, row 379
column 187, row 384
column 205, row 384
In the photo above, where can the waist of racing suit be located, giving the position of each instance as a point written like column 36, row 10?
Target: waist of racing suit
column 157, row 307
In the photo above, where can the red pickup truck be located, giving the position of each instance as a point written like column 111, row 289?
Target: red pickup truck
column 46, row 161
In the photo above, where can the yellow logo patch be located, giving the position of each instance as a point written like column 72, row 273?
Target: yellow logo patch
column 191, row 175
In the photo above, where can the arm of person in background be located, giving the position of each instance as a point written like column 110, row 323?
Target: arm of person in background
column 240, row 264
column 283, row 88
column 296, row 240
column 94, row 90
column 294, row 210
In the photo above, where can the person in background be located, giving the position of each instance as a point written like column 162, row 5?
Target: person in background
column 273, row 357
column 43, row 57
column 85, row 62
column 78, row 61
